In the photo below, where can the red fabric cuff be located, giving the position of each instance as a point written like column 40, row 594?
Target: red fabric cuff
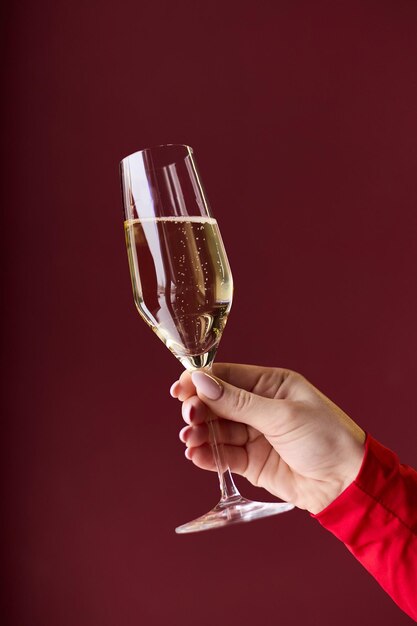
column 376, row 518
column 373, row 484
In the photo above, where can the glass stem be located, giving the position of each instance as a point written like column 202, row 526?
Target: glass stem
column 228, row 489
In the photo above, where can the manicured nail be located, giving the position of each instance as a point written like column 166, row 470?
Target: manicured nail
column 184, row 432
column 187, row 413
column 207, row 385
column 173, row 389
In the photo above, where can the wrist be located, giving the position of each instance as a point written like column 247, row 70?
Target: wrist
column 329, row 490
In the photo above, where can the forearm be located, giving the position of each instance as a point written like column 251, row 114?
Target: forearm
column 376, row 518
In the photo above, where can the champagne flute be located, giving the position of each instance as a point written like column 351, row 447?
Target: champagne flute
column 183, row 286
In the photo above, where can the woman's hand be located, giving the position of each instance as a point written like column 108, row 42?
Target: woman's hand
column 278, row 431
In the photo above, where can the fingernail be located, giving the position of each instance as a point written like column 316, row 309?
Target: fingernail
column 173, row 387
column 187, row 413
column 184, row 434
column 207, row 385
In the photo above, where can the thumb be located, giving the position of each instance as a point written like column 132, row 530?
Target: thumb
column 235, row 404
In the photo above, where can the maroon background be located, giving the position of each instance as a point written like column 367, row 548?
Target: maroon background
column 303, row 119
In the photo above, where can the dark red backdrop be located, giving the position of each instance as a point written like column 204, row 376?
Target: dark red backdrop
column 303, row 119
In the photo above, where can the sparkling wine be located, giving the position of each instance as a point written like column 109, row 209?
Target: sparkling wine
column 182, row 283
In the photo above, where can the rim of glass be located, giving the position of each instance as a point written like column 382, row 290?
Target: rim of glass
column 161, row 145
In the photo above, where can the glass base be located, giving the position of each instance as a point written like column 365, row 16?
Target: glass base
column 234, row 511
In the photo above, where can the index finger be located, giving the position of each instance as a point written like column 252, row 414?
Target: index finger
column 183, row 388
column 264, row 381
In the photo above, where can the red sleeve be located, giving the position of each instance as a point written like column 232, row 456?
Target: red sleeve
column 376, row 518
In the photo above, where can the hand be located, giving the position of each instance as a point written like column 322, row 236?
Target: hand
column 278, row 431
